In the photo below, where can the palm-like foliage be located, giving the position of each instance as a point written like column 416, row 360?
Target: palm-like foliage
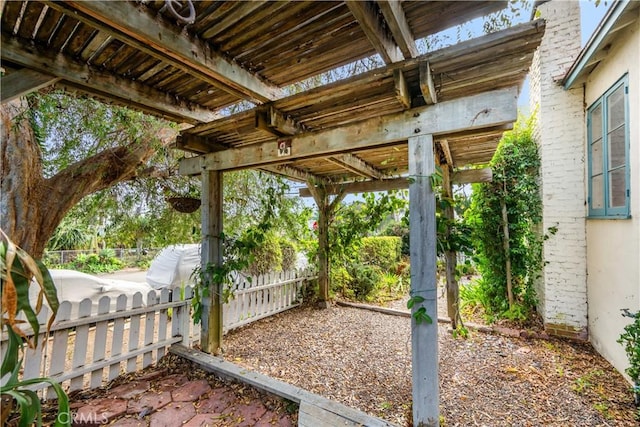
column 18, row 272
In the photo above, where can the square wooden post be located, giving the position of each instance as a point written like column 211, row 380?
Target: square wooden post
column 422, row 234
column 211, row 214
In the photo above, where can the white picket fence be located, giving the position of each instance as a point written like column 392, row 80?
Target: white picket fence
column 92, row 343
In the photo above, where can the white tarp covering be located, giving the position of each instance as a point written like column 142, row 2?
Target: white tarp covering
column 173, row 266
column 74, row 286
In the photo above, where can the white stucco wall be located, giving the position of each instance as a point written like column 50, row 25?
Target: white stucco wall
column 560, row 134
column 613, row 246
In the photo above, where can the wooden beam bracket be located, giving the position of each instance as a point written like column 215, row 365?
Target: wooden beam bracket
column 427, row 86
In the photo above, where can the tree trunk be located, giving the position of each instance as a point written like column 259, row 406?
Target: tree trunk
column 31, row 206
column 505, row 245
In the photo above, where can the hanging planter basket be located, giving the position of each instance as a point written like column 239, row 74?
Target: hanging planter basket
column 184, row 204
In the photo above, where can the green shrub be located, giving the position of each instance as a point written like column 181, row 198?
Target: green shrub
column 381, row 251
column 266, row 256
column 104, row 262
column 515, row 185
column 289, row 255
column 365, row 280
column 340, row 282
column 630, row 340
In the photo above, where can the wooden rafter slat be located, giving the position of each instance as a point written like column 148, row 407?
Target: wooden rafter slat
column 296, row 174
column 94, row 81
column 399, row 27
column 356, row 165
column 366, row 14
column 141, row 30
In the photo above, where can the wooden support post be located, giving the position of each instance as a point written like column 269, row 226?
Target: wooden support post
column 325, row 210
column 422, row 234
column 321, row 197
column 450, row 256
column 211, row 337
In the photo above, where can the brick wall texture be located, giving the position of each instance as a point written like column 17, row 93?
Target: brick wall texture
column 560, row 133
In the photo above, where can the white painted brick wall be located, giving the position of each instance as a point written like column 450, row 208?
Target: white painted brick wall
column 560, row 133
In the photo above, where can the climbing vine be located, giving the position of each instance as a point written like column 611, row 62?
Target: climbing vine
column 509, row 252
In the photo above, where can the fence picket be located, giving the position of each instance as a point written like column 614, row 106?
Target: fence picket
column 118, row 337
column 60, row 343
column 80, row 345
column 33, row 357
column 134, row 333
column 149, row 329
column 100, row 341
column 163, row 319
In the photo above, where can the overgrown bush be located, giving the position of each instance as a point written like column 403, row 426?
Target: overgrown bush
column 289, row 255
column 266, row 256
column 381, row 251
column 515, row 168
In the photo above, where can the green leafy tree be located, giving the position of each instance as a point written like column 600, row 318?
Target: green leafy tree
column 515, row 187
column 56, row 150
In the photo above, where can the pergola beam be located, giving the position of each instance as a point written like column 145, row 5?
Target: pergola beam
column 198, row 144
column 23, row 82
column 296, row 174
column 356, row 165
column 132, row 25
column 460, row 177
column 399, row 27
column 99, row 83
column 474, row 112
column 368, row 18
column 273, row 121
column 446, row 151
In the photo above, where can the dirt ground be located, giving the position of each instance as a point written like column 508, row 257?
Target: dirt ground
column 363, row 359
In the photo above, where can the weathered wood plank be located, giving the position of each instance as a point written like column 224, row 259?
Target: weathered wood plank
column 270, row 385
column 403, row 95
column 211, row 209
column 367, row 16
column 464, row 176
column 356, row 165
column 422, row 234
column 427, row 87
column 23, row 82
column 310, row 415
column 99, row 82
column 157, row 38
column 475, row 112
column 400, row 29
column 469, row 176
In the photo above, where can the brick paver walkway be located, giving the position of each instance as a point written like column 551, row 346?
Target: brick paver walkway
column 160, row 399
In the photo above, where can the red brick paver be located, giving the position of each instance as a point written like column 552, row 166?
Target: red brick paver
column 173, row 400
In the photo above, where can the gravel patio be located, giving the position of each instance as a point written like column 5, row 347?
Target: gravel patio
column 362, row 359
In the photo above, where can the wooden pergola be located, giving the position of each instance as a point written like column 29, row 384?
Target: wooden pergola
column 384, row 129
